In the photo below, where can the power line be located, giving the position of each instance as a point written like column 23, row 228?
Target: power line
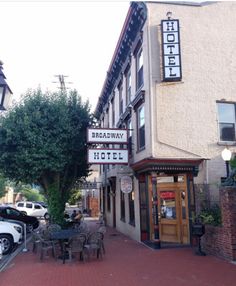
column 62, row 83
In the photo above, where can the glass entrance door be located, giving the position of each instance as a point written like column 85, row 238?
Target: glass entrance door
column 173, row 214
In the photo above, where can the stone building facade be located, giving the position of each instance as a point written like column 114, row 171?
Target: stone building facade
column 171, row 85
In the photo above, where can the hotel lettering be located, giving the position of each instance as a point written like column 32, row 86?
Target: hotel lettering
column 171, row 50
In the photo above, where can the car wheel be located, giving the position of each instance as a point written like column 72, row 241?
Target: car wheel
column 46, row 216
column 7, row 243
column 29, row 227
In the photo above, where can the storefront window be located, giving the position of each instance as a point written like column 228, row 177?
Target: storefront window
column 168, row 205
column 122, row 206
column 131, row 208
column 183, row 194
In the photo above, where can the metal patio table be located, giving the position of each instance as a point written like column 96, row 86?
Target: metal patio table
column 63, row 236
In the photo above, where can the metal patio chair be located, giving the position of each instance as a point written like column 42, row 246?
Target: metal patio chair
column 94, row 244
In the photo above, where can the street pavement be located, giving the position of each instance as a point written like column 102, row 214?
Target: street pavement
column 125, row 263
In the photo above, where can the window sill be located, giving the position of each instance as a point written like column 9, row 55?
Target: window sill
column 132, row 223
column 226, row 143
column 140, row 150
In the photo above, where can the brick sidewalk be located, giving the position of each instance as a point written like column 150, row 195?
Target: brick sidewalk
column 126, row 263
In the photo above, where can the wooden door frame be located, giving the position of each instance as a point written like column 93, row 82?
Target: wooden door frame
column 182, row 225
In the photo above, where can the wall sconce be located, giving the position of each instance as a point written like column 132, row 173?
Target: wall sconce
column 169, row 15
column 226, row 155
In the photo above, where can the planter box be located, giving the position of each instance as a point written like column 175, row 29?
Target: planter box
column 198, row 229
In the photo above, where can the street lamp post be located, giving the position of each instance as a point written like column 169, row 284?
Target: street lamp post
column 5, row 91
column 226, row 155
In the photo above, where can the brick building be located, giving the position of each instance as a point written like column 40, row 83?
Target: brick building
column 171, row 84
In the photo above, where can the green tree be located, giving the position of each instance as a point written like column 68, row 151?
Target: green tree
column 30, row 193
column 233, row 163
column 43, row 141
column 75, row 196
column 3, row 184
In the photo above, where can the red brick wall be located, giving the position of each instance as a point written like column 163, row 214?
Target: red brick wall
column 221, row 241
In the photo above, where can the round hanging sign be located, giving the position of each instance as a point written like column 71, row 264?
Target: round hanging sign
column 126, row 184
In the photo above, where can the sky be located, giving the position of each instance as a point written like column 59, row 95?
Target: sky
column 77, row 39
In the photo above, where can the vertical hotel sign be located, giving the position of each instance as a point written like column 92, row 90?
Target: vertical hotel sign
column 171, row 50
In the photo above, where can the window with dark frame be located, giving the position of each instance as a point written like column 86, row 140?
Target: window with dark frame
column 108, row 198
column 122, row 206
column 131, row 208
column 130, row 140
column 227, row 121
column 128, row 87
column 139, row 69
column 112, row 113
column 120, row 89
column 141, row 128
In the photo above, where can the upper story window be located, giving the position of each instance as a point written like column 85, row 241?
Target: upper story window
column 120, row 89
column 113, row 113
column 139, row 69
column 128, row 87
column 130, row 140
column 141, row 128
column 107, row 117
column 227, row 121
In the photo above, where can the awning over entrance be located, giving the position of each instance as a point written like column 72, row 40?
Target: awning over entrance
column 167, row 166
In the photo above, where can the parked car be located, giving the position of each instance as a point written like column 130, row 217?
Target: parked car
column 32, row 209
column 42, row 204
column 20, row 223
column 10, row 234
column 14, row 214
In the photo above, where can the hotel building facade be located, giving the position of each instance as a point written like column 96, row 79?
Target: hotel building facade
column 171, row 84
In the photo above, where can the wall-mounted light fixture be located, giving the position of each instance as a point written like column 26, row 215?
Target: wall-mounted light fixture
column 226, row 155
column 169, row 15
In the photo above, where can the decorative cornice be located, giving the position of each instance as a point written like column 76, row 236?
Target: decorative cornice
column 124, row 116
column 166, row 165
column 138, row 99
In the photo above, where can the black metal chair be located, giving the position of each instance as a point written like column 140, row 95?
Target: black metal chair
column 76, row 245
column 94, row 244
column 45, row 245
column 102, row 229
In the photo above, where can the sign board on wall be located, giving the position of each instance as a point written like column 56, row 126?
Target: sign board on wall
column 171, row 50
column 126, row 184
column 107, row 156
column 106, row 136
column 87, row 185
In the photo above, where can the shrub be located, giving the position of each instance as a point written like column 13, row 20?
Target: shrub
column 211, row 215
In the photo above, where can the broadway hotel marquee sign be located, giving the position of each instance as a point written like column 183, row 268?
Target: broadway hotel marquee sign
column 171, row 50
column 107, row 136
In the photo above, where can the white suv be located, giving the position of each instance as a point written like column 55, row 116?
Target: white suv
column 32, row 209
column 10, row 234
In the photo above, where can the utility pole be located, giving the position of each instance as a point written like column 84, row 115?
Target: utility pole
column 62, row 83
